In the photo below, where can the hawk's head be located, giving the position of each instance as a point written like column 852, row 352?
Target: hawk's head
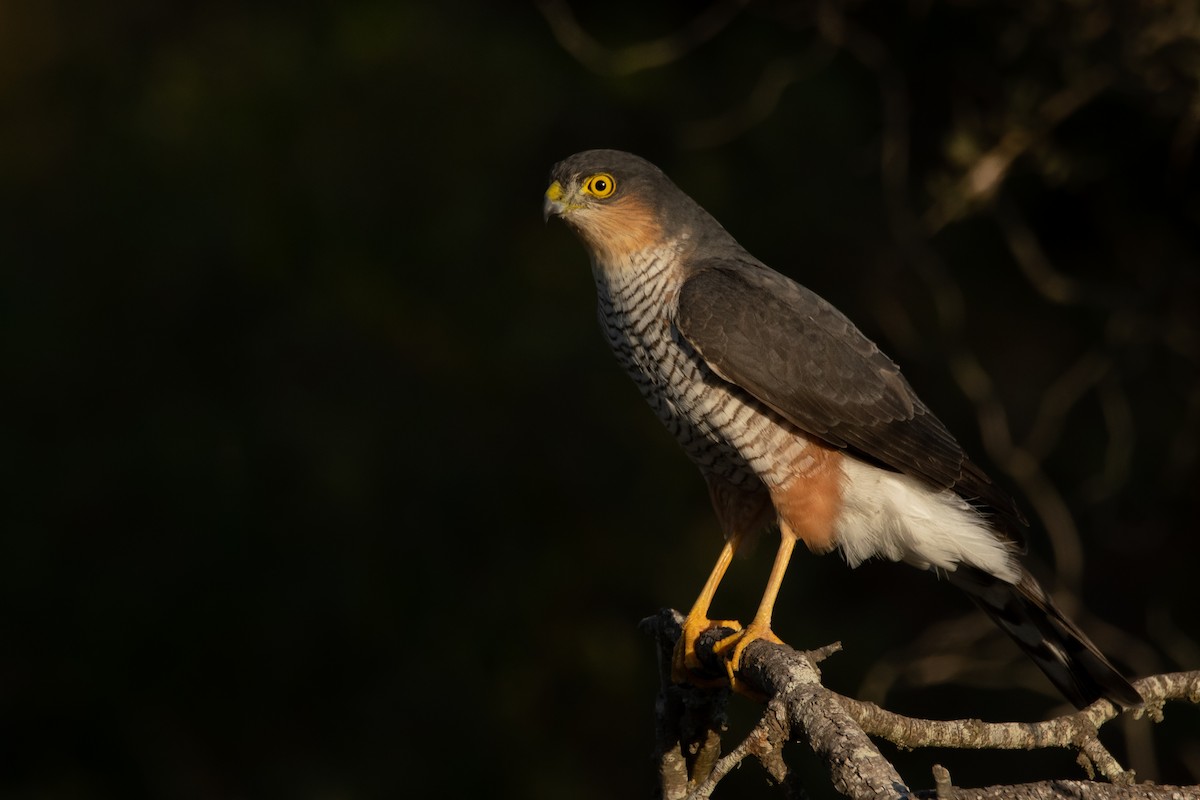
column 618, row 203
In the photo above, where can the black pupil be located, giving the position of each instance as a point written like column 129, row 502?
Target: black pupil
column 600, row 185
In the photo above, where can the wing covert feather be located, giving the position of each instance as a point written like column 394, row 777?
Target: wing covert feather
column 800, row 356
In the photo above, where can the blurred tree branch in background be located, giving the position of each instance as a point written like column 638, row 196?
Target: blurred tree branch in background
column 641, row 56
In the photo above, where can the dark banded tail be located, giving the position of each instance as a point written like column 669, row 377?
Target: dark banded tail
column 1060, row 649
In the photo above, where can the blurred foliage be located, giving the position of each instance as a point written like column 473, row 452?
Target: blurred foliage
column 320, row 483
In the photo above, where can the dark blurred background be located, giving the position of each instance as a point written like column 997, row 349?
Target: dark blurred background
column 319, row 481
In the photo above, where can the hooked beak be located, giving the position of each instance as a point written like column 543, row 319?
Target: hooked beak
column 553, row 204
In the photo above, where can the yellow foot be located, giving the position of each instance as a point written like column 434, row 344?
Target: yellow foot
column 685, row 661
column 731, row 648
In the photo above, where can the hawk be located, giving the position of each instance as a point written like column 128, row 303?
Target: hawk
column 797, row 420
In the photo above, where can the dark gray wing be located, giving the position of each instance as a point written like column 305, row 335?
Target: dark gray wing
column 803, row 358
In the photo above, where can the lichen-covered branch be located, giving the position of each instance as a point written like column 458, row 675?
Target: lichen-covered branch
column 838, row 729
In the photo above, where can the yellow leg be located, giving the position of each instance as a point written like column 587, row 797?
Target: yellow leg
column 760, row 626
column 697, row 620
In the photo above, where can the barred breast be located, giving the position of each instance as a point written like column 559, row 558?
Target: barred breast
column 725, row 431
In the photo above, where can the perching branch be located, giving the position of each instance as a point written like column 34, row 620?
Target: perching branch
column 837, row 728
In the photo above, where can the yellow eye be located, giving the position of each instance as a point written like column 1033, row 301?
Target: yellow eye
column 600, row 185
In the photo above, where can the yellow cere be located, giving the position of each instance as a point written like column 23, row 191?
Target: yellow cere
column 555, row 192
column 600, row 185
